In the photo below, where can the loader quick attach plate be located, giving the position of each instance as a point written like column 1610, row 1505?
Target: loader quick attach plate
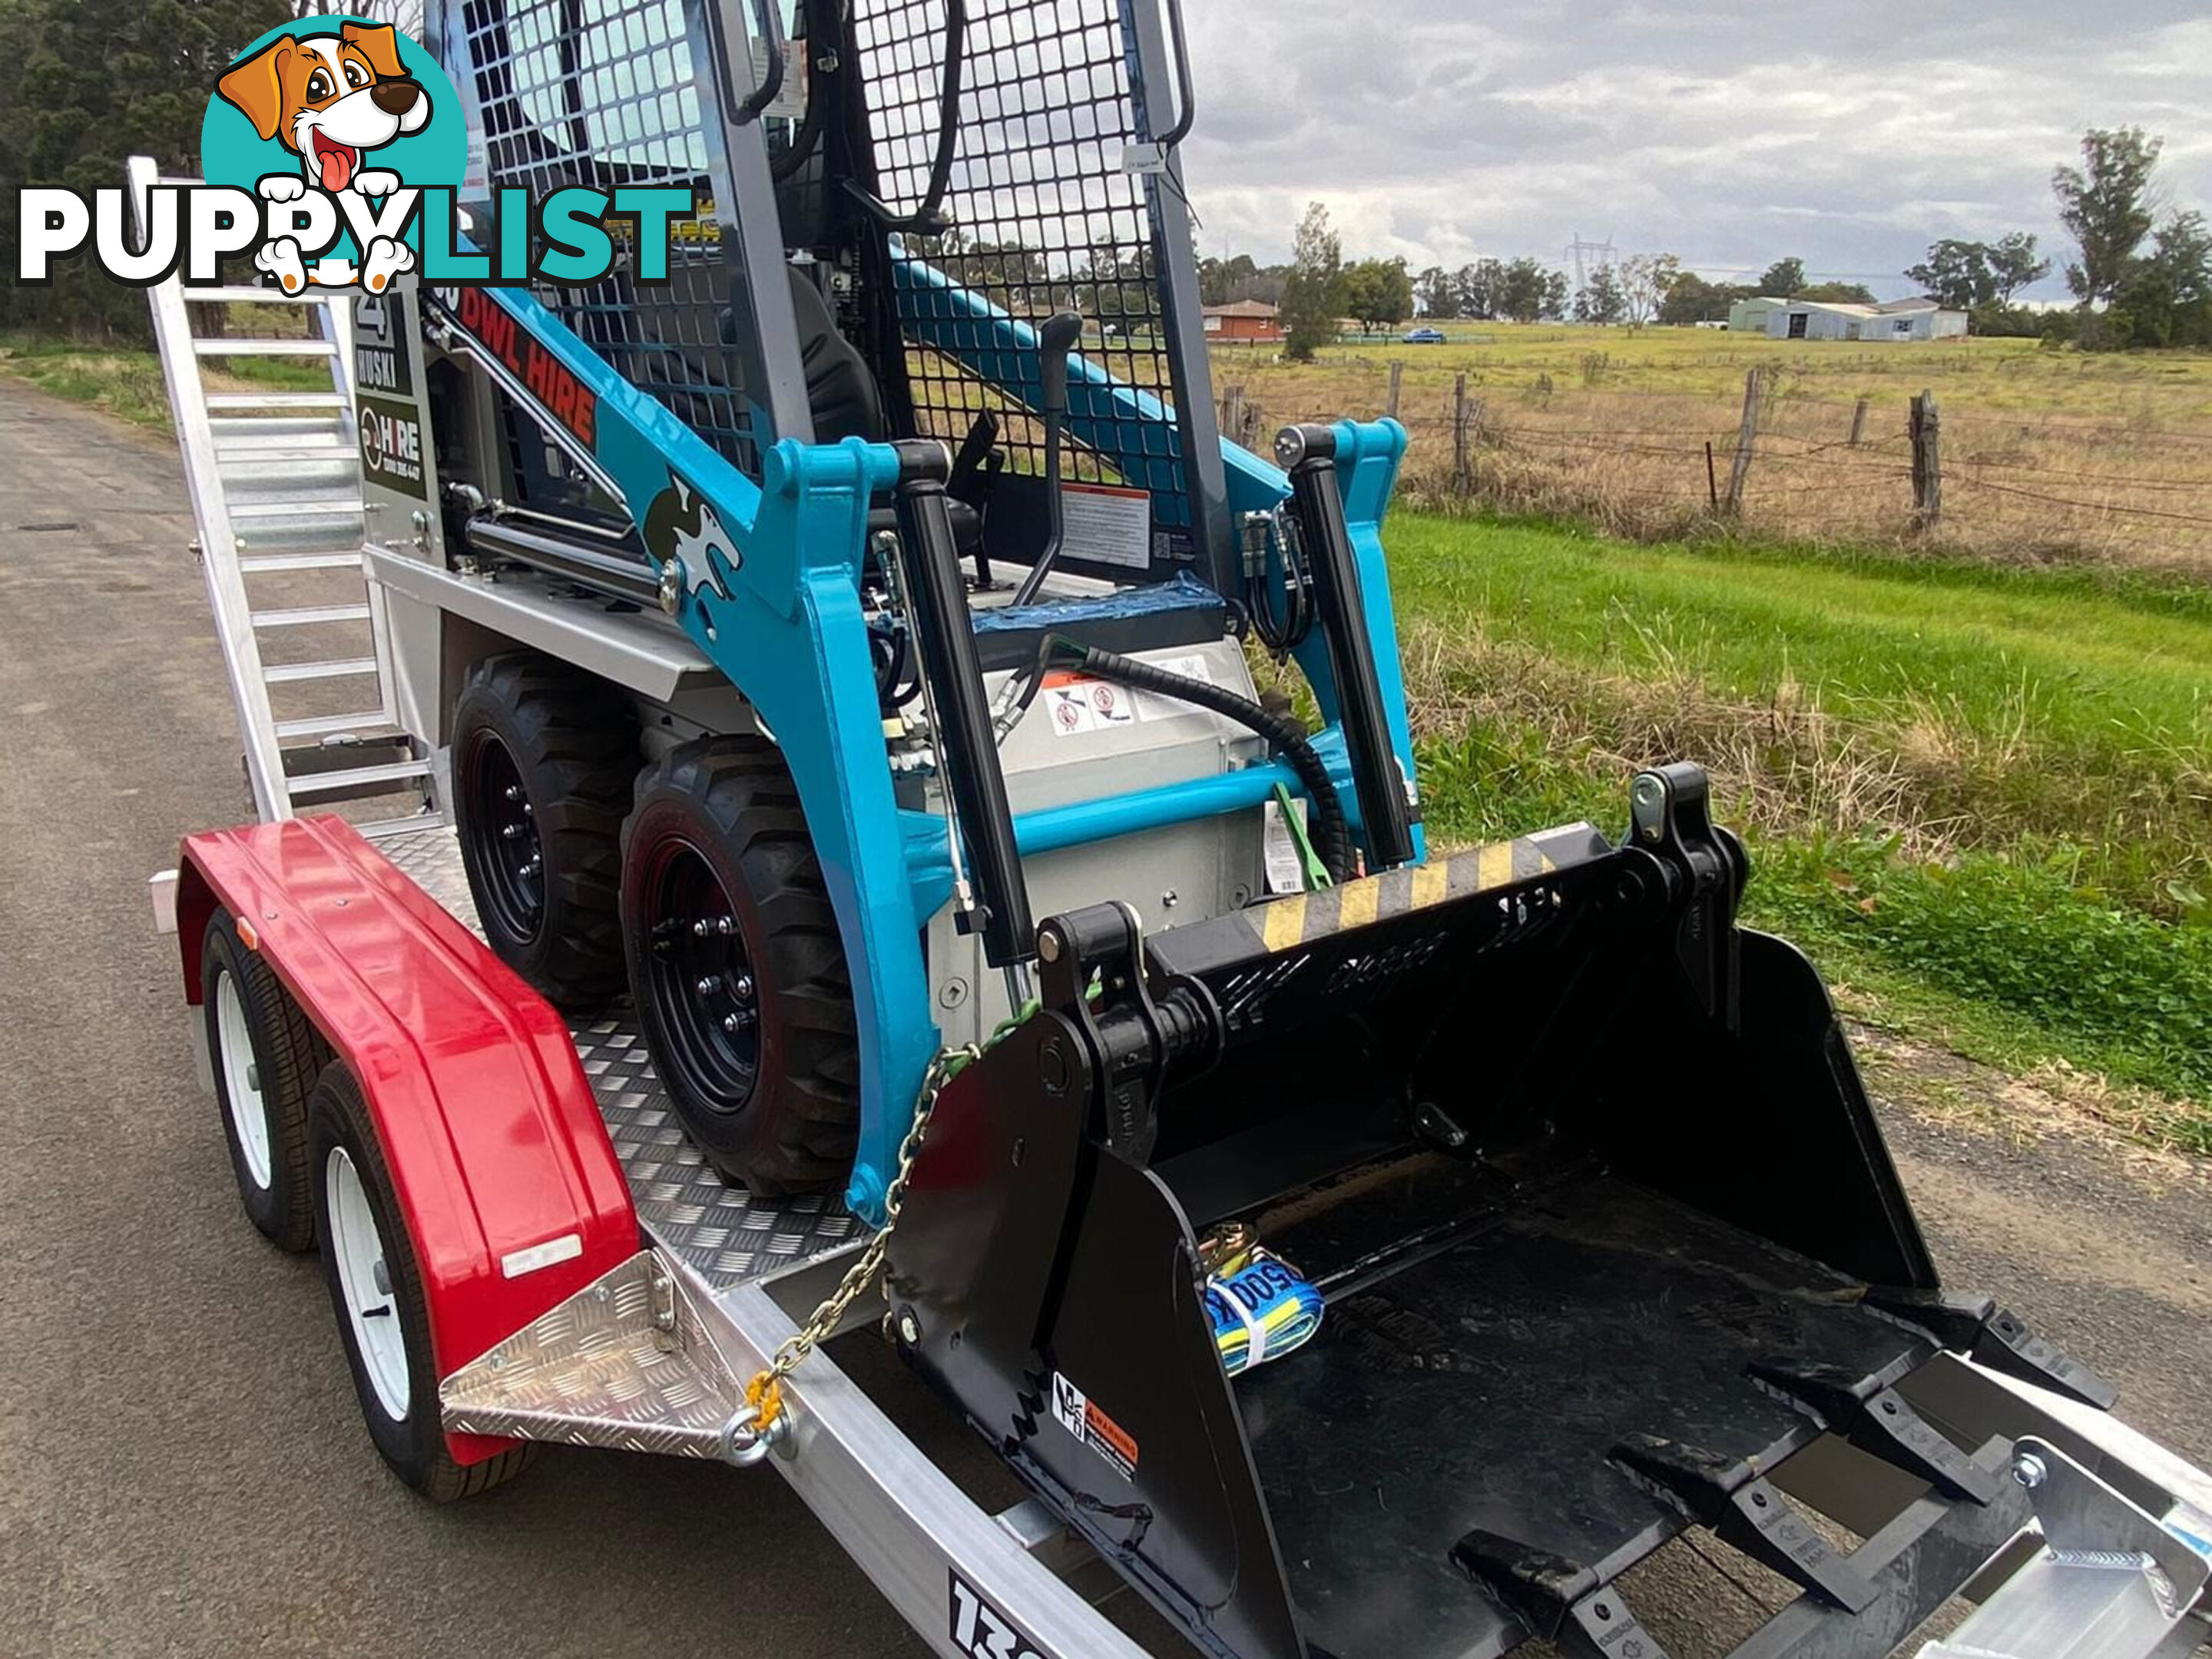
column 1295, row 957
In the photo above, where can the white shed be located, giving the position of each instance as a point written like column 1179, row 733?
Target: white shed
column 1917, row 319
column 1896, row 320
column 1750, row 316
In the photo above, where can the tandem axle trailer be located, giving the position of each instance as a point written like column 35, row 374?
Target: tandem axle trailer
column 599, row 1283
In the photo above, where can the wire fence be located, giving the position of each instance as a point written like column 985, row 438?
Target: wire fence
column 1991, row 483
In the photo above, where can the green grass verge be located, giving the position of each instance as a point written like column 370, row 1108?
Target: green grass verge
column 126, row 381
column 2031, row 751
column 1995, row 704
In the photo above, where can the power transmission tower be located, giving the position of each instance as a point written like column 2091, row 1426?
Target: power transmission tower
column 1586, row 256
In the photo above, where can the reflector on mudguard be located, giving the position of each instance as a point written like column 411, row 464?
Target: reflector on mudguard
column 1585, row 1174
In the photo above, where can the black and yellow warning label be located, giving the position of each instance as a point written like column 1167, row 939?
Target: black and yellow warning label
column 1081, row 1417
column 1288, row 923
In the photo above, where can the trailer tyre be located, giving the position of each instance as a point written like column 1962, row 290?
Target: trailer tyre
column 545, row 760
column 737, row 968
column 265, row 1056
column 376, row 1291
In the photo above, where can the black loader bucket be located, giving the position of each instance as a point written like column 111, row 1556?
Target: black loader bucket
column 1588, row 1181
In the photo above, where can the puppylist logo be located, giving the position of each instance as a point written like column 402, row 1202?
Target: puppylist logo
column 334, row 151
column 335, row 103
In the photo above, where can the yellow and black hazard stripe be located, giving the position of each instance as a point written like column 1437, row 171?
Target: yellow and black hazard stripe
column 1289, row 922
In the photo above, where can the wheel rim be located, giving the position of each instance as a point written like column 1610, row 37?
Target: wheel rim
column 510, row 854
column 356, row 1247
column 702, row 980
column 241, row 1081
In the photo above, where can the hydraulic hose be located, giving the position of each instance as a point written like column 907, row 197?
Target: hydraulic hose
column 1332, row 831
column 1284, row 637
column 809, row 132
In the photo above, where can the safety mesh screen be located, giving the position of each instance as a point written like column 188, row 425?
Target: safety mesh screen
column 601, row 92
column 1043, row 217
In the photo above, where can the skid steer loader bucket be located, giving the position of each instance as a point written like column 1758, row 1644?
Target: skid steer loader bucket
column 1605, row 1227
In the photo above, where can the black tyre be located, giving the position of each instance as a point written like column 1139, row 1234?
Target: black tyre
column 265, row 1056
column 737, row 968
column 544, row 762
column 376, row 1291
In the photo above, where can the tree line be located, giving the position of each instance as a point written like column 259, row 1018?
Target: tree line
column 2141, row 278
column 1318, row 290
column 86, row 85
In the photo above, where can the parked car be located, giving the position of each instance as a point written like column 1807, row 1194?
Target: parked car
column 1425, row 337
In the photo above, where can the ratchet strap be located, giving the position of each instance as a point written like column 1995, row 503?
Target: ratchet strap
column 1261, row 1307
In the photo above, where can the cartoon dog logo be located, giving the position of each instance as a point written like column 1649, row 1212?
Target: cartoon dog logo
column 331, row 99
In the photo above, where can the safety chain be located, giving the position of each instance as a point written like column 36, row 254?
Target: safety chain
column 747, row 1436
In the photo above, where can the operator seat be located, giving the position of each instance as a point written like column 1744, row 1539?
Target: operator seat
column 841, row 387
column 847, row 401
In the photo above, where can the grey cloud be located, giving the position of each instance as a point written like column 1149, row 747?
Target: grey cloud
column 1851, row 137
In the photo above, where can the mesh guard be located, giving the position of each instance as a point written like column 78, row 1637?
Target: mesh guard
column 603, row 93
column 1043, row 219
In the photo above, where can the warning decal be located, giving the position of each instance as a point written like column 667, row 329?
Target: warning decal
column 1077, row 703
column 1286, row 871
column 1081, row 1417
column 1101, row 524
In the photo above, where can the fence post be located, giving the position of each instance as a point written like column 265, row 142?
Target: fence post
column 1232, row 413
column 1745, row 437
column 1927, row 464
column 1858, row 422
column 1462, row 469
column 1397, row 384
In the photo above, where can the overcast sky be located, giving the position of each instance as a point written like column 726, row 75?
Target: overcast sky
column 1851, row 135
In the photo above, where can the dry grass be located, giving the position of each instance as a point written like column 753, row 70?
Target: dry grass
column 2052, row 1101
column 2048, row 455
column 1785, row 764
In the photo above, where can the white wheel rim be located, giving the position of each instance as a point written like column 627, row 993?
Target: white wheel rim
column 242, row 1092
column 364, row 1284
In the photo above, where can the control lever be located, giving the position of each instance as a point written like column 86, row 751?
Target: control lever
column 971, row 481
column 1054, row 341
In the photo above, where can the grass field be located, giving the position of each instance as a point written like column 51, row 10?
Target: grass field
column 2048, row 455
column 1983, row 796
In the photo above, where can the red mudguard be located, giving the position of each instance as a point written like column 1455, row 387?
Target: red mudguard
column 488, row 1123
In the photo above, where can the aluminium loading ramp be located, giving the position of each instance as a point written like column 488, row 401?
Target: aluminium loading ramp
column 273, row 472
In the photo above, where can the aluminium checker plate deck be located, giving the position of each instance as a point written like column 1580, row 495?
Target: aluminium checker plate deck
column 724, row 1234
